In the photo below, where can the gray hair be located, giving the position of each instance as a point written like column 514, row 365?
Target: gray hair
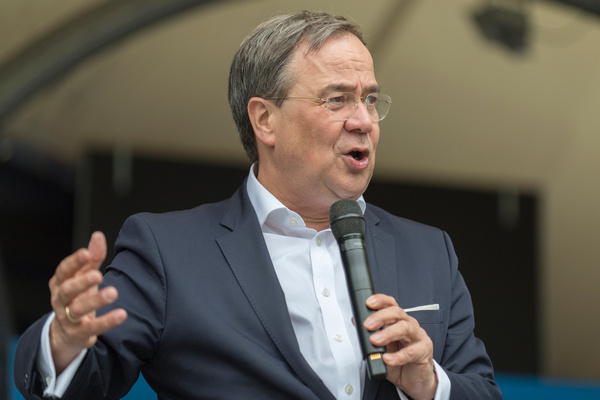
column 258, row 68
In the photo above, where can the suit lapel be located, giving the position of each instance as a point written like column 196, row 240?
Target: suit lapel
column 382, row 262
column 381, row 248
column 256, row 276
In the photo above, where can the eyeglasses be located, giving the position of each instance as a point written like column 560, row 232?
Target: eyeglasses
column 342, row 106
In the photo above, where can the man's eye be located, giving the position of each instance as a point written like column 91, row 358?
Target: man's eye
column 371, row 99
column 337, row 99
column 337, row 102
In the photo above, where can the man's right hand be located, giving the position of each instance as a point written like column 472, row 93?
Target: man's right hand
column 75, row 285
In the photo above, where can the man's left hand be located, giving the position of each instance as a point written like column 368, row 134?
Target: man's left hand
column 409, row 350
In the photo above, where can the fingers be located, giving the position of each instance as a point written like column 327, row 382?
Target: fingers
column 404, row 339
column 64, row 293
column 75, row 284
column 409, row 350
column 80, row 325
column 90, row 325
column 68, row 339
column 81, row 314
column 79, row 271
column 82, row 260
column 388, row 311
column 108, row 321
column 90, row 301
column 97, row 248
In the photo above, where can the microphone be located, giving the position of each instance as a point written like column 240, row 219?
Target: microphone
column 348, row 226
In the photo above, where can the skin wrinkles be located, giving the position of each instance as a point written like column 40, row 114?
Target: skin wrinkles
column 305, row 161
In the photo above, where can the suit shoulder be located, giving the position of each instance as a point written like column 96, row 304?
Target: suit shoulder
column 209, row 213
column 413, row 239
column 387, row 220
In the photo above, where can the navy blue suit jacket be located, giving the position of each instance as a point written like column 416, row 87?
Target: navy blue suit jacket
column 208, row 320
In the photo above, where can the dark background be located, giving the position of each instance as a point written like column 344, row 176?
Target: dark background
column 48, row 211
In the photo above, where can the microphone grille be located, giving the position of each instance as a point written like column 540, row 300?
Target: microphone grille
column 346, row 217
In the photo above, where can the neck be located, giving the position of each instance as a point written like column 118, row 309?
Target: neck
column 316, row 224
column 315, row 216
column 313, row 207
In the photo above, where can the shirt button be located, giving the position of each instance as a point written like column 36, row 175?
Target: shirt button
column 338, row 338
column 319, row 241
column 326, row 292
column 348, row 389
column 293, row 221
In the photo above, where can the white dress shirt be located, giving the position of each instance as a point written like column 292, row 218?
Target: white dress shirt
column 309, row 268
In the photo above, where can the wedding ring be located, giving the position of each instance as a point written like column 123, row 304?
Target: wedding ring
column 73, row 320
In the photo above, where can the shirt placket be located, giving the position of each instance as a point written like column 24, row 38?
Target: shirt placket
column 342, row 350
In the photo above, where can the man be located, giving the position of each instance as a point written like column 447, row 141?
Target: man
column 247, row 298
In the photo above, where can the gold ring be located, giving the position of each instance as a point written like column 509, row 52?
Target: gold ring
column 73, row 320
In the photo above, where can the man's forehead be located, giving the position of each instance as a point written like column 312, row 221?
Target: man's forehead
column 331, row 46
column 336, row 65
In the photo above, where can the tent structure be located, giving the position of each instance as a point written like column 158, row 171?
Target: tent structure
column 501, row 96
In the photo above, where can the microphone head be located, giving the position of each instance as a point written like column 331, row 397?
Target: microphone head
column 346, row 218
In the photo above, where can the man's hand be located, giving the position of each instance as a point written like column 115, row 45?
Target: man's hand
column 75, row 297
column 409, row 351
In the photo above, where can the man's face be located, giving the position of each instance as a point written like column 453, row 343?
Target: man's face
column 315, row 159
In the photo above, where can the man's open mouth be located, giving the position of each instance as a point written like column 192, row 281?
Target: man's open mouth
column 358, row 155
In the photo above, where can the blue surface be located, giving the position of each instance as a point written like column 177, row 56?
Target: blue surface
column 521, row 387
column 13, row 393
column 140, row 391
column 514, row 387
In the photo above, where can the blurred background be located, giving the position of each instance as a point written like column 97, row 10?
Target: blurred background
column 113, row 107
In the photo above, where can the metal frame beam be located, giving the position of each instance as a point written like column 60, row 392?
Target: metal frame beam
column 53, row 55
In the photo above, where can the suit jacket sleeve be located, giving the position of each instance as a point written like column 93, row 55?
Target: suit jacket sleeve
column 206, row 315
column 199, row 310
column 464, row 358
column 112, row 366
column 27, row 378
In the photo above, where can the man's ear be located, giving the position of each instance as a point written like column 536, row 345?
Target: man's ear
column 261, row 113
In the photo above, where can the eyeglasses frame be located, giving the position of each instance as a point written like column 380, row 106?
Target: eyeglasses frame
column 326, row 101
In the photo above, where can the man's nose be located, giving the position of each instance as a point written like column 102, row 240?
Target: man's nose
column 360, row 120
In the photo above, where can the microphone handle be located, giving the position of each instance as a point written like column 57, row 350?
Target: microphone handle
column 360, row 287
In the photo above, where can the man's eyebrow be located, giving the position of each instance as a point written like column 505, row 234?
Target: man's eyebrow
column 342, row 87
column 373, row 89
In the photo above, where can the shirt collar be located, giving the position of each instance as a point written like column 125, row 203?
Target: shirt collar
column 265, row 203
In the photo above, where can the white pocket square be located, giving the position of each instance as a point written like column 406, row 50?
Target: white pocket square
column 428, row 307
